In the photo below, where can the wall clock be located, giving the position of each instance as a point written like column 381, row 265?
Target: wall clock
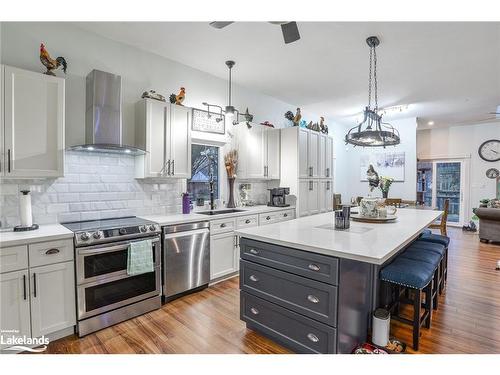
column 490, row 150
column 492, row 173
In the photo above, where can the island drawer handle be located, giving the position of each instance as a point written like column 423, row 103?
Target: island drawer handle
column 52, row 251
column 223, row 225
column 313, row 267
column 254, row 311
column 247, row 221
column 253, row 278
column 312, row 298
column 253, row 251
column 312, row 337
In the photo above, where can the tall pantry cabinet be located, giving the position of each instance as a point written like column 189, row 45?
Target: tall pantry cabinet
column 307, row 168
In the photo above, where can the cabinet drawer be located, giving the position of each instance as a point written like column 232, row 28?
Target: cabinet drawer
column 269, row 218
column 50, row 252
column 307, row 297
column 221, row 226
column 247, row 221
column 310, row 265
column 13, row 258
column 299, row 333
column 286, row 215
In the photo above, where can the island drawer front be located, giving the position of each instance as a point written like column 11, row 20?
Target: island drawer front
column 44, row 253
column 221, row 226
column 310, row 265
column 308, row 297
column 287, row 215
column 297, row 332
column 13, row 258
column 247, row 221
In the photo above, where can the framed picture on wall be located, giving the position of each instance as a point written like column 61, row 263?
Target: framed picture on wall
column 387, row 164
column 208, row 122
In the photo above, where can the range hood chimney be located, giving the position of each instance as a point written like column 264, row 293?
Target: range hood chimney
column 103, row 116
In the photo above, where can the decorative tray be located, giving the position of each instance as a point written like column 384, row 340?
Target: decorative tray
column 370, row 219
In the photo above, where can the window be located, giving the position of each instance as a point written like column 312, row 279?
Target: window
column 204, row 165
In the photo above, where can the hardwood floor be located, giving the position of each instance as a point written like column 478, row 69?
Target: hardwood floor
column 468, row 319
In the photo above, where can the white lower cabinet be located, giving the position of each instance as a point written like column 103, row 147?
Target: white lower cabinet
column 325, row 196
column 37, row 297
column 309, row 194
column 52, row 298
column 223, row 255
column 14, row 306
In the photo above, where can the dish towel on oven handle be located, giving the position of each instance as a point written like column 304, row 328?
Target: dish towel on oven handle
column 140, row 257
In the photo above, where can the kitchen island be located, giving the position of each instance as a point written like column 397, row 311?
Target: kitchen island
column 313, row 288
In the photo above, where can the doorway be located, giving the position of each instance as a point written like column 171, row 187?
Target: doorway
column 438, row 180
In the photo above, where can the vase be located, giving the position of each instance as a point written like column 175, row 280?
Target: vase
column 385, row 194
column 230, row 203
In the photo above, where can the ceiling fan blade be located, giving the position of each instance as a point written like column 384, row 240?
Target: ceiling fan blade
column 494, row 113
column 290, row 32
column 220, row 24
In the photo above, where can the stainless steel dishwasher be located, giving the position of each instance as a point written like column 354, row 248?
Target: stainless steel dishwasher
column 186, row 258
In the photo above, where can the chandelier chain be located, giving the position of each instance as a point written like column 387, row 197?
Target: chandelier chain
column 375, row 77
column 370, row 79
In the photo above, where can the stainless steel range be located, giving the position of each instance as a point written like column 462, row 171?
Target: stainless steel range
column 106, row 294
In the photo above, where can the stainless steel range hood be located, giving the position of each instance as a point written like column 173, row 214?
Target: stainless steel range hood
column 103, row 116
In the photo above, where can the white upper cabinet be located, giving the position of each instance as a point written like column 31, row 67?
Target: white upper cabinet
column 328, row 167
column 163, row 130
column 303, row 153
column 259, row 153
column 313, row 153
column 33, row 124
column 273, row 154
column 179, row 140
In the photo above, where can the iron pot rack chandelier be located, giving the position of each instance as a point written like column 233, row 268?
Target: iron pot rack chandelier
column 376, row 133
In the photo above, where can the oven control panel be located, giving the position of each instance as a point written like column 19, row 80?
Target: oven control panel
column 85, row 238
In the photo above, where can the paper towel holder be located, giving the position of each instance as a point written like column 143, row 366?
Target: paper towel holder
column 23, row 228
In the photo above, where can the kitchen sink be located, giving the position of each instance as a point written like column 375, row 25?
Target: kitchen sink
column 220, row 212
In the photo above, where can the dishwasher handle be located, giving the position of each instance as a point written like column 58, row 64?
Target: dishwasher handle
column 187, row 227
column 186, row 233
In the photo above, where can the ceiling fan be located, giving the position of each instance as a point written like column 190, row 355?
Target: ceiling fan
column 289, row 29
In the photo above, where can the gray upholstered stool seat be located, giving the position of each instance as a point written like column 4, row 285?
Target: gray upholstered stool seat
column 429, row 246
column 436, row 238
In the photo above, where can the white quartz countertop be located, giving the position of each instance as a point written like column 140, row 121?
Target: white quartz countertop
column 373, row 243
column 47, row 232
column 192, row 217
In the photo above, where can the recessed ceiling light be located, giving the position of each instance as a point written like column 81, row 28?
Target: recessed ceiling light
column 430, row 123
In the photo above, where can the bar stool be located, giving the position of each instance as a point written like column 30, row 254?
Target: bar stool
column 417, row 276
column 428, row 236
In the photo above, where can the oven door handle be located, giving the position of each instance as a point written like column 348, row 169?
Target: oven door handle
column 109, row 249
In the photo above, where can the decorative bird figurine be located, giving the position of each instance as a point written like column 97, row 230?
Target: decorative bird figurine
column 296, row 119
column 180, row 96
column 50, row 63
column 323, row 126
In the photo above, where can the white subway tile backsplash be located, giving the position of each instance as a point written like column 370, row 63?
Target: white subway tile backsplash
column 94, row 186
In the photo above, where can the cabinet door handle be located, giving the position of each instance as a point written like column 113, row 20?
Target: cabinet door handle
column 247, row 221
column 254, row 311
column 253, row 251
column 52, row 251
column 223, row 225
column 310, row 171
column 253, row 278
column 311, row 186
column 173, row 167
column 327, row 172
column 168, row 167
column 312, row 337
column 313, row 267
column 285, row 215
column 24, row 287
column 34, row 285
column 312, row 298
column 8, row 160
column 327, row 185
column 268, row 218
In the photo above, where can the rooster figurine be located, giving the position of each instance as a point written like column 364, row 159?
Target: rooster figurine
column 181, row 96
column 296, row 119
column 50, row 63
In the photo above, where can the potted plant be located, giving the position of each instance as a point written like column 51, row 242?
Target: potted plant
column 385, row 184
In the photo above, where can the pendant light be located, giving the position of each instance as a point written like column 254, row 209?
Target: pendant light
column 372, row 132
column 229, row 110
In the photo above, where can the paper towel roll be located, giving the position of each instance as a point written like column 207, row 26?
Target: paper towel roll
column 25, row 207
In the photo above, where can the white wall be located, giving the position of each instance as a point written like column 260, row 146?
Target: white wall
column 463, row 142
column 347, row 162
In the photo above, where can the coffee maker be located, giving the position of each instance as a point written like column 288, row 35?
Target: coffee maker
column 277, row 197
